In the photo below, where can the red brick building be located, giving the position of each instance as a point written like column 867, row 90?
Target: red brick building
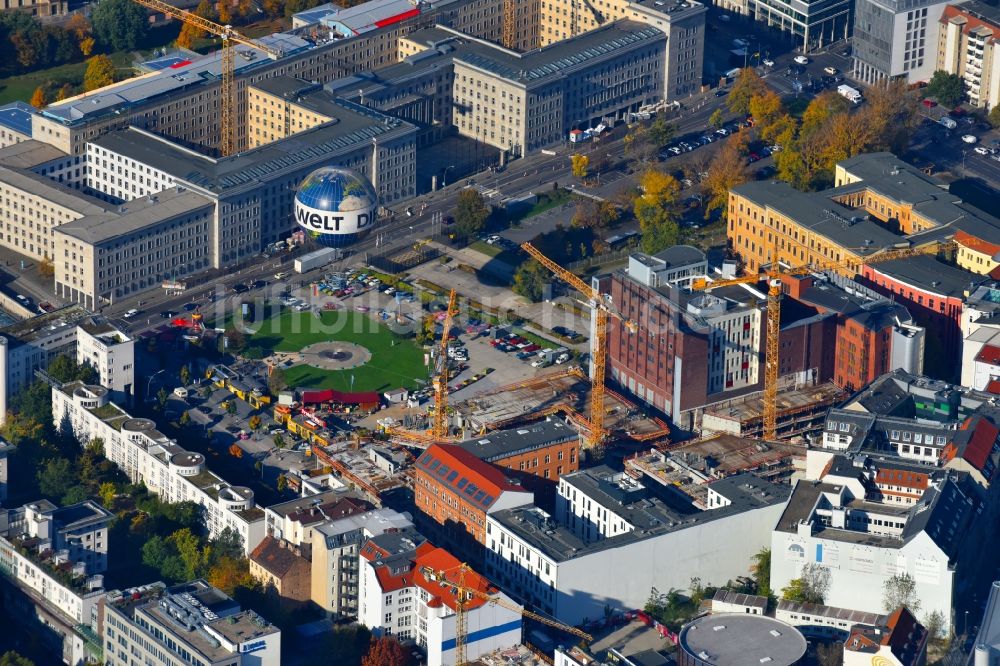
column 934, row 293
column 866, row 326
column 694, row 349
column 455, row 490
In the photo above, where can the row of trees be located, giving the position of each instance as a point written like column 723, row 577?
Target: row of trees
column 828, row 131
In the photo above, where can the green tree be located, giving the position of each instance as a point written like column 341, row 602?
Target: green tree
column 184, row 420
column 994, row 116
column 760, row 567
column 282, row 483
column 530, row 280
column 120, row 25
column 471, row 212
column 185, row 375
column 660, row 131
column 189, row 550
column 279, row 441
column 946, row 88
column 100, row 72
column 161, row 398
column 11, row 658
column 657, row 225
column 231, row 408
column 74, row 495
column 64, row 368
column 56, row 477
column 717, row 119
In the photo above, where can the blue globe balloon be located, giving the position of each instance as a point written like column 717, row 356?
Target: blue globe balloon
column 336, row 206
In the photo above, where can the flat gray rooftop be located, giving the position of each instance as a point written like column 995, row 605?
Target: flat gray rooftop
column 732, row 639
column 502, row 443
column 135, row 215
column 356, row 126
column 540, row 65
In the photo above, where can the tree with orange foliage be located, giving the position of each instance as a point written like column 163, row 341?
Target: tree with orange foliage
column 386, row 651
column 225, row 12
column 228, row 573
column 38, row 97
column 728, row 169
column 235, row 450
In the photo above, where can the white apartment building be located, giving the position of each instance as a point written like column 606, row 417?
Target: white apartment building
column 968, row 47
column 191, row 623
column 336, row 545
column 401, row 593
column 856, row 522
column 53, row 559
column 295, row 520
column 613, row 539
column 147, row 455
column 981, row 358
column 32, row 344
column 677, row 265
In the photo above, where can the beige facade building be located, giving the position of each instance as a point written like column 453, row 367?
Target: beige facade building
column 133, row 247
column 39, row 8
column 969, row 46
column 183, row 103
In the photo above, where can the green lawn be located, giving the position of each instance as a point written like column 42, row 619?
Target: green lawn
column 395, row 361
column 21, row 87
column 485, row 248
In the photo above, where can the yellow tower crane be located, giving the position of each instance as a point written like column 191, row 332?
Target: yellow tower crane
column 602, row 309
column 230, row 37
column 464, row 593
column 773, row 275
column 440, row 424
column 509, row 23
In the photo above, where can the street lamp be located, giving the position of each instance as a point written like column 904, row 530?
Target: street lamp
column 444, row 178
column 150, row 382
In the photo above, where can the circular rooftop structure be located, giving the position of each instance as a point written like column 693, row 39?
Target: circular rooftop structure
column 187, row 459
column 336, row 206
column 734, row 639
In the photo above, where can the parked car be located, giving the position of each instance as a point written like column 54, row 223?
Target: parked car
column 801, row 59
column 832, row 71
column 981, row 150
column 969, row 138
column 767, row 62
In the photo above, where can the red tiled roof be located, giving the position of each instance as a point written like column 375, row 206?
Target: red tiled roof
column 275, row 559
column 342, row 508
column 984, row 436
column 463, row 470
column 993, row 386
column 977, row 244
column 903, row 478
column 971, row 22
column 440, row 560
column 995, row 273
column 989, row 354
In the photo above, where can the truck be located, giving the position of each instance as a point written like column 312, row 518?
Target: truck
column 949, row 122
column 307, row 262
column 853, row 94
column 550, row 355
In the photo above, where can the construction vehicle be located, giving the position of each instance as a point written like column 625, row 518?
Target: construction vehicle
column 602, row 309
column 439, row 428
column 230, row 37
column 772, row 275
column 455, row 579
